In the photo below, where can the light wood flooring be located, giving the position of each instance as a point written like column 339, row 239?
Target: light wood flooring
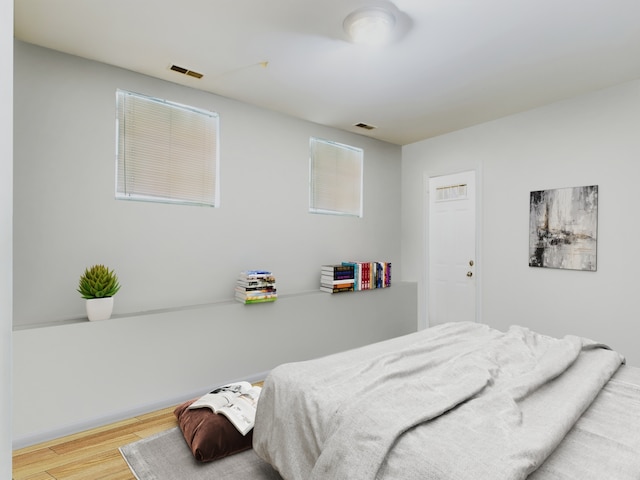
column 90, row 455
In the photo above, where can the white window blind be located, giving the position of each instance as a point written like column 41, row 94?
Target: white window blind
column 166, row 152
column 335, row 178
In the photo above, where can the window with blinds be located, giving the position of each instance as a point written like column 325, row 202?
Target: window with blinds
column 166, row 152
column 335, row 178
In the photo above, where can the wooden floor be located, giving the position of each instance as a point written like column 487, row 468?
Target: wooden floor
column 90, row 455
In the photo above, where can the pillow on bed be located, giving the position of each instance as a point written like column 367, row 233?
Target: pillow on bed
column 210, row 436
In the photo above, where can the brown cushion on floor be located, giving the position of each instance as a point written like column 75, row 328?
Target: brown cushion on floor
column 210, row 436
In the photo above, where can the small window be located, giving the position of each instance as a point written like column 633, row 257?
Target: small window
column 166, row 152
column 451, row 192
column 335, row 178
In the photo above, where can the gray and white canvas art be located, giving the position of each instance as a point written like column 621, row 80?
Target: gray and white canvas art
column 563, row 228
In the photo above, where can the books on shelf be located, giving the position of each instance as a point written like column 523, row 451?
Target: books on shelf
column 256, row 286
column 354, row 276
column 337, row 278
column 236, row 401
column 338, row 271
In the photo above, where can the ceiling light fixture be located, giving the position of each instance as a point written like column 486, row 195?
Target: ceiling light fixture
column 370, row 26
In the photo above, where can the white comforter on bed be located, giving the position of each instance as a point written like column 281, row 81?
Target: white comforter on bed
column 459, row 401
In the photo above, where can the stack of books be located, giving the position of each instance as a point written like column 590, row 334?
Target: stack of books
column 337, row 278
column 256, row 286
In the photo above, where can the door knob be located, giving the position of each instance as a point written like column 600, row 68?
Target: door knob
column 471, row 263
column 469, row 274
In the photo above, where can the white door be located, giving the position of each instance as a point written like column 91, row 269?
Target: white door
column 452, row 249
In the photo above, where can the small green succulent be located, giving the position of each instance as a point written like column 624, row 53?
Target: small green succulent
column 98, row 282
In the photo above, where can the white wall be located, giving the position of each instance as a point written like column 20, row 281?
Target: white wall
column 6, row 227
column 92, row 373
column 166, row 256
column 175, row 325
column 589, row 140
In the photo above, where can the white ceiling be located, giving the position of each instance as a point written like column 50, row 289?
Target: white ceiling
column 454, row 64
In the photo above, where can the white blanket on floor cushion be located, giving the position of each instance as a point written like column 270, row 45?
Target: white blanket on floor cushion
column 459, row 401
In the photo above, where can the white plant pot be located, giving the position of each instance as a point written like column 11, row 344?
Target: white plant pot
column 99, row 308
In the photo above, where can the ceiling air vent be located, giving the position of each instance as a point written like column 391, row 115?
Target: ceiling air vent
column 186, row 71
column 365, row 126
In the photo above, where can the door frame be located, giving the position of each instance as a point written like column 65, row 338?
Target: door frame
column 423, row 293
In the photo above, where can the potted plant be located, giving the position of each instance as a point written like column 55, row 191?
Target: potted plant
column 98, row 285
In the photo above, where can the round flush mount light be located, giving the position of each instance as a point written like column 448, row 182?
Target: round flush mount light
column 370, row 26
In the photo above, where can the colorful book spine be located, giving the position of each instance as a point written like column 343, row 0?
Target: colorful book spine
column 336, row 289
column 354, row 276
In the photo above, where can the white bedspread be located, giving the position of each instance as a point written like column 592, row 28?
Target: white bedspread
column 454, row 402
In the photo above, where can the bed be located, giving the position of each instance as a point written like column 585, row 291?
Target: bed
column 459, row 401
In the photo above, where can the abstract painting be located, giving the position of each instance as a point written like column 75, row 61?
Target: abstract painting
column 563, row 228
